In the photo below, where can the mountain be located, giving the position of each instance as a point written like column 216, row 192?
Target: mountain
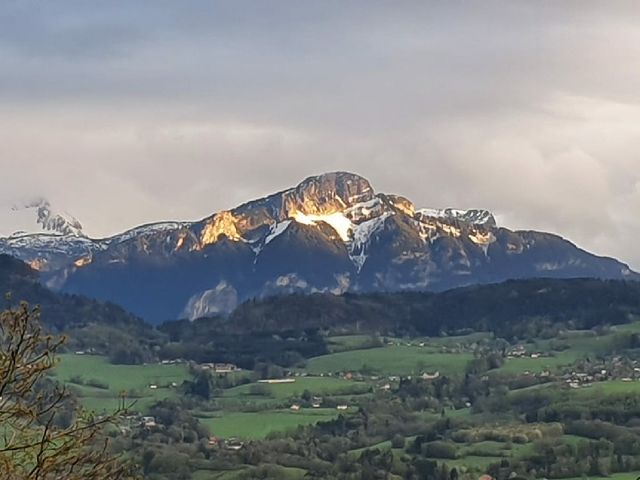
column 38, row 216
column 331, row 233
column 88, row 324
column 40, row 234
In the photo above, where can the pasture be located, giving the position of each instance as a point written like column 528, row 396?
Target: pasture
column 82, row 372
column 256, row 425
column 316, row 385
column 391, row 360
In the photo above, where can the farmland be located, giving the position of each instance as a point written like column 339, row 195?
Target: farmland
column 370, row 375
column 315, row 385
column 81, row 372
column 255, row 425
column 391, row 360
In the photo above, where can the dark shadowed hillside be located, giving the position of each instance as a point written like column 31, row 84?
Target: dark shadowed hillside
column 105, row 327
column 508, row 308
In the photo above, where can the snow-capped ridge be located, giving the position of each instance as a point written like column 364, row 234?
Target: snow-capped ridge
column 38, row 216
column 473, row 216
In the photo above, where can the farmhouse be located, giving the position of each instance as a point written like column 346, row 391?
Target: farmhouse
column 430, row 376
column 149, row 422
column 220, row 367
column 234, row 444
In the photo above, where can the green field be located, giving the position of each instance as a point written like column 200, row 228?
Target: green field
column 613, row 476
column 579, row 344
column 538, row 365
column 316, row 385
column 283, row 473
column 391, row 360
column 612, row 387
column 260, row 424
column 133, row 379
column 343, row 343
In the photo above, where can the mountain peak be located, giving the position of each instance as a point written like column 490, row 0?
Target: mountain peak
column 38, row 216
column 327, row 194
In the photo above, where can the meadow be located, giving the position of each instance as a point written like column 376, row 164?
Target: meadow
column 81, row 372
column 315, row 385
column 391, row 360
column 255, row 425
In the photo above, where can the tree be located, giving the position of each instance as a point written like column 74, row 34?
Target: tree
column 34, row 443
column 202, row 385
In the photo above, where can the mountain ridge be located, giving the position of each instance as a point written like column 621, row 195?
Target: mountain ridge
column 330, row 233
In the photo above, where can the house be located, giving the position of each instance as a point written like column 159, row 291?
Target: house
column 315, row 404
column 234, row 444
column 342, row 407
column 517, row 351
column 430, row 376
column 149, row 422
column 295, row 407
column 386, row 387
column 153, row 386
column 214, row 441
column 225, row 368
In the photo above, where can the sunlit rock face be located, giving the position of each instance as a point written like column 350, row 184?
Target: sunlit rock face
column 330, row 233
column 327, row 194
column 224, row 223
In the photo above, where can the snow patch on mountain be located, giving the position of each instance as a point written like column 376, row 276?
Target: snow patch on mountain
column 474, row 216
column 341, row 224
column 38, row 216
column 275, row 230
column 149, row 229
column 362, row 234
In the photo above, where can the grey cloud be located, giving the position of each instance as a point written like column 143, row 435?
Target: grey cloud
column 129, row 112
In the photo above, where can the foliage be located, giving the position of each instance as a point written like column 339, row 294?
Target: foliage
column 34, row 444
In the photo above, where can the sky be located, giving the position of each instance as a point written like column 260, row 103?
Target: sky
column 128, row 112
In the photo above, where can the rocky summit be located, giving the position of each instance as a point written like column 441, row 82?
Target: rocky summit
column 331, row 233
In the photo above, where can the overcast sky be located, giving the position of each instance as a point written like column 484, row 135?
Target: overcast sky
column 129, row 112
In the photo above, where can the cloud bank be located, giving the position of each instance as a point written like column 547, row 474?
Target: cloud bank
column 132, row 112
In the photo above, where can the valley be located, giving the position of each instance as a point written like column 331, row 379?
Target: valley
column 422, row 378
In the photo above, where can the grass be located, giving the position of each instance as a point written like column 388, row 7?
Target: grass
column 613, row 476
column 611, row 387
column 633, row 327
column 217, row 475
column 459, row 339
column 316, row 385
column 538, row 365
column 134, row 379
column 283, row 473
column 259, row 425
column 342, row 343
column 579, row 343
column 391, row 360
